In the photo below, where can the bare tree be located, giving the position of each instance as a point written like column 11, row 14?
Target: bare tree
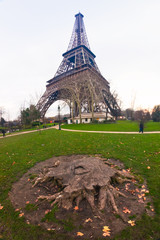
column 2, row 111
column 156, row 113
column 142, row 115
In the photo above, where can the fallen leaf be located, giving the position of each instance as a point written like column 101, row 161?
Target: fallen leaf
column 133, row 180
column 157, row 153
column 127, row 186
column 105, row 234
column 143, row 190
column 21, row 214
column 106, row 231
column 47, row 211
column 132, row 192
column 88, row 220
column 76, row 208
column 1, row 207
column 132, row 223
column 80, row 234
column 50, row 229
column 126, row 210
column 129, row 170
column 106, row 228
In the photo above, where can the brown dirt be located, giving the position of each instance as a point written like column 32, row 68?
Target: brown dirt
column 23, row 194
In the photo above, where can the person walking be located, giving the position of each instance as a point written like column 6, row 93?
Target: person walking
column 141, row 127
column 3, row 131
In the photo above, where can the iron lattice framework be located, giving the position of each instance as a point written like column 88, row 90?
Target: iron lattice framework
column 78, row 80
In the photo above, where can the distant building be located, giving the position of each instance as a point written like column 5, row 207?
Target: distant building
column 87, row 118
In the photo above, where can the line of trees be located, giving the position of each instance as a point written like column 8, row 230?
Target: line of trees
column 28, row 117
column 31, row 116
column 142, row 115
column 156, row 113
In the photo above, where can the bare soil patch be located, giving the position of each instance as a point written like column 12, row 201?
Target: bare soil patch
column 81, row 194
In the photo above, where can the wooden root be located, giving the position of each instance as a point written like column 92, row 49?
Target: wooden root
column 67, row 201
column 77, row 182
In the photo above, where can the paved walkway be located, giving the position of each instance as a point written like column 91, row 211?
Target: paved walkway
column 71, row 130
column 20, row 133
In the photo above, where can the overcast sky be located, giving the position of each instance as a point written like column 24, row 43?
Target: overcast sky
column 123, row 34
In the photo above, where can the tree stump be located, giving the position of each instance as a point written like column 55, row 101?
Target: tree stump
column 92, row 180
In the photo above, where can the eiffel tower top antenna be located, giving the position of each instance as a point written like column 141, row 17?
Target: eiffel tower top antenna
column 79, row 36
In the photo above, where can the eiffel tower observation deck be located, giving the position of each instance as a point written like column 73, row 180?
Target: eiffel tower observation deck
column 78, row 80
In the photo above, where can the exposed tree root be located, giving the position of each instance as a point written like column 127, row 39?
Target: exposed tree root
column 84, row 179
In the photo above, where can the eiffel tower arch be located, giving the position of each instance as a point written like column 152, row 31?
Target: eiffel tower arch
column 78, row 80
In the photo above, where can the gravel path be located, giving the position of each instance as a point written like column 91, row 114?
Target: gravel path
column 109, row 131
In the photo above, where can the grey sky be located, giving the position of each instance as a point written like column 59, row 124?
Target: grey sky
column 124, row 35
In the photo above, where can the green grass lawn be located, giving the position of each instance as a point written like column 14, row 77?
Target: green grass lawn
column 19, row 153
column 120, row 126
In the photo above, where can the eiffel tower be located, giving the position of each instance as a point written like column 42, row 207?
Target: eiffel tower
column 78, row 80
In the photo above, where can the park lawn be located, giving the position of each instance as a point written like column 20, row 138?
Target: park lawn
column 19, row 153
column 120, row 126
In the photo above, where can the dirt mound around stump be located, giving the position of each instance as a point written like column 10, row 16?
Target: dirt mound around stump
column 80, row 194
